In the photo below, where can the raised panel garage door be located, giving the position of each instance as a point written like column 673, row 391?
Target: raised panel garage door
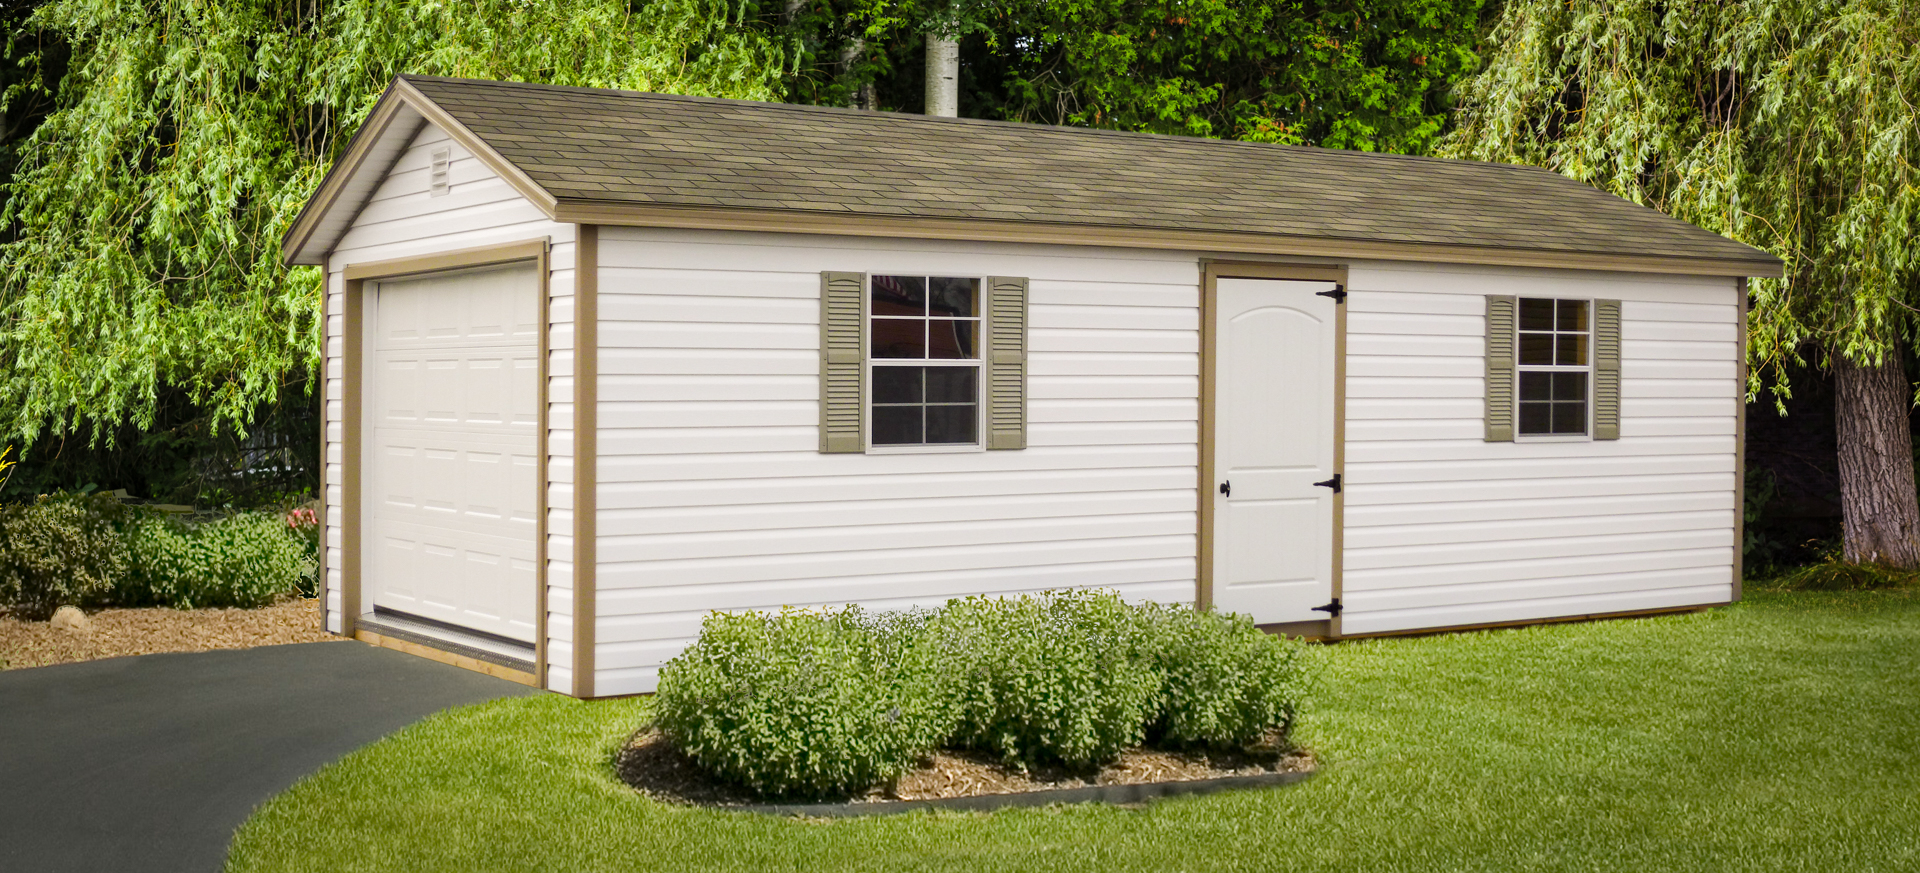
column 450, row 468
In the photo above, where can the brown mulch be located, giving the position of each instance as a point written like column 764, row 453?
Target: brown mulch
column 118, row 632
column 653, row 766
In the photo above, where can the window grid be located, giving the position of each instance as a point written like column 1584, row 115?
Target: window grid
column 1555, row 367
column 924, row 361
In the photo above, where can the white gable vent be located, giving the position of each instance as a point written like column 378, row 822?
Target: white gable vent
column 439, row 182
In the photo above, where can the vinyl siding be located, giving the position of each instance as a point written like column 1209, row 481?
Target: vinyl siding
column 1445, row 529
column 713, row 493
column 403, row 220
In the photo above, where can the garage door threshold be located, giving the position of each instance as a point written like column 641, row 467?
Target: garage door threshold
column 485, row 648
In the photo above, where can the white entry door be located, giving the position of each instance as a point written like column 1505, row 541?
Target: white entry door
column 449, row 476
column 1273, row 443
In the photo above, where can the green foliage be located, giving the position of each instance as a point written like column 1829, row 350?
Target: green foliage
column 1226, row 683
column 1832, row 572
column 244, row 560
column 1787, row 124
column 804, row 704
column 90, row 550
column 185, row 137
column 1057, row 679
column 1372, row 75
column 60, row 550
column 820, row 703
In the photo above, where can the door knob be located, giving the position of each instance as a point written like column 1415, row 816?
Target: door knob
column 1226, row 488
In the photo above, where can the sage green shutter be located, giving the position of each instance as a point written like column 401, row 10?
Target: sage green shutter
column 1006, row 416
column 1606, row 369
column 843, row 356
column 1500, row 387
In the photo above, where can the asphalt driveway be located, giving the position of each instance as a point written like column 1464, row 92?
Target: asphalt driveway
column 149, row 763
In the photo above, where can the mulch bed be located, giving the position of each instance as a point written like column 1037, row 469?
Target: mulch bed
column 655, row 768
column 118, row 632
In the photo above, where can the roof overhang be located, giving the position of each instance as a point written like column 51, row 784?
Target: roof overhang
column 403, row 111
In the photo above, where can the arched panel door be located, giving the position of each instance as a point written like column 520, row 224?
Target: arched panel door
column 1274, row 458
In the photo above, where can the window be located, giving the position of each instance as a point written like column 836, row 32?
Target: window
column 924, row 354
column 1555, row 366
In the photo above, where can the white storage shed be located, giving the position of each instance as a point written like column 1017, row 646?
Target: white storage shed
column 599, row 362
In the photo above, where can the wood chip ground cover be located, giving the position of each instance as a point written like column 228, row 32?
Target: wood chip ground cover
column 116, row 633
column 651, row 764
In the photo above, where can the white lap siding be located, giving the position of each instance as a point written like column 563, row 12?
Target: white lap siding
column 713, row 494
column 1445, row 529
column 403, row 220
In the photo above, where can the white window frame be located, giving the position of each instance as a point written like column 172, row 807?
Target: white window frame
column 978, row 363
column 1519, row 303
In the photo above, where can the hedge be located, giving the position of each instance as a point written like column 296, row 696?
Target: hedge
column 806, row 704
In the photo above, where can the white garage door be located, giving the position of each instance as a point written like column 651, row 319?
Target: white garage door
column 449, row 475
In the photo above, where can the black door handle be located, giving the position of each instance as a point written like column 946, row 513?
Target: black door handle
column 1226, row 488
column 1333, row 483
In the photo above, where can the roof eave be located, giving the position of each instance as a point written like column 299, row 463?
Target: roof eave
column 1761, row 265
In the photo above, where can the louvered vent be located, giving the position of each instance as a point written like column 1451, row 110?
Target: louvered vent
column 1500, row 341
column 440, row 178
column 842, row 359
column 1606, row 369
column 1006, row 363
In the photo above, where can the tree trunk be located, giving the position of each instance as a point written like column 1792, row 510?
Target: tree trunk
column 1877, row 501
column 943, row 76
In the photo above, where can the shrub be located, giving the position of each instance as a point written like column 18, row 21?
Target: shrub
column 804, row 704
column 1226, row 683
column 60, row 550
column 1058, row 678
column 248, row 559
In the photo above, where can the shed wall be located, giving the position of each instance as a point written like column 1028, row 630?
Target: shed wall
column 1444, row 529
column 713, row 494
column 403, row 220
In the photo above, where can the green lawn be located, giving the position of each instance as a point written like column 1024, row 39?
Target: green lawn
column 1779, row 734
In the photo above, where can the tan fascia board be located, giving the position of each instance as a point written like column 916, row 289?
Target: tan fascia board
column 794, row 221
column 400, row 95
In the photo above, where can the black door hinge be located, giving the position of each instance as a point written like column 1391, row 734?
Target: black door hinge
column 1333, row 483
column 1332, row 609
column 1339, row 294
column 1226, row 488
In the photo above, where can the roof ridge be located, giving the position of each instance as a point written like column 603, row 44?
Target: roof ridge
column 1051, row 129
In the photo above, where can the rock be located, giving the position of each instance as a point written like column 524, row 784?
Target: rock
column 70, row 618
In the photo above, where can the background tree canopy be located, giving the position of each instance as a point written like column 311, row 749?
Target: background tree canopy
column 1788, row 124
column 143, row 282
column 146, row 322
column 1358, row 74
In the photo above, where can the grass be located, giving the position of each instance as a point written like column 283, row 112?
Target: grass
column 1782, row 733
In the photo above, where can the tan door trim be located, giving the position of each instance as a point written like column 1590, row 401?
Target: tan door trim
column 586, row 451
column 1211, row 273
column 352, row 400
column 1740, row 452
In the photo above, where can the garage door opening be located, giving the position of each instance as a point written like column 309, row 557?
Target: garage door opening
column 449, row 518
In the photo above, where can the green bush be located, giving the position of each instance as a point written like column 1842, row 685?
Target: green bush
column 1226, row 683
column 1055, row 679
column 248, row 559
column 804, row 704
column 90, row 550
column 60, row 550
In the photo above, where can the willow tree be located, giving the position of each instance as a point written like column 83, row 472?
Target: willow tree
column 1787, row 124
column 186, row 134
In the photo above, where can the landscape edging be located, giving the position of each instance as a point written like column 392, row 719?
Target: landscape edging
column 1114, row 794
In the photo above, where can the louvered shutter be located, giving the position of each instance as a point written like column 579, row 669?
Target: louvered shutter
column 1606, row 369
column 1006, row 416
column 1500, row 387
column 843, row 357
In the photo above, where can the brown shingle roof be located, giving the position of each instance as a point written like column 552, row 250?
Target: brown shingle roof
column 623, row 147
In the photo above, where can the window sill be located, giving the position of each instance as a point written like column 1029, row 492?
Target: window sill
column 1553, row 438
column 940, row 449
